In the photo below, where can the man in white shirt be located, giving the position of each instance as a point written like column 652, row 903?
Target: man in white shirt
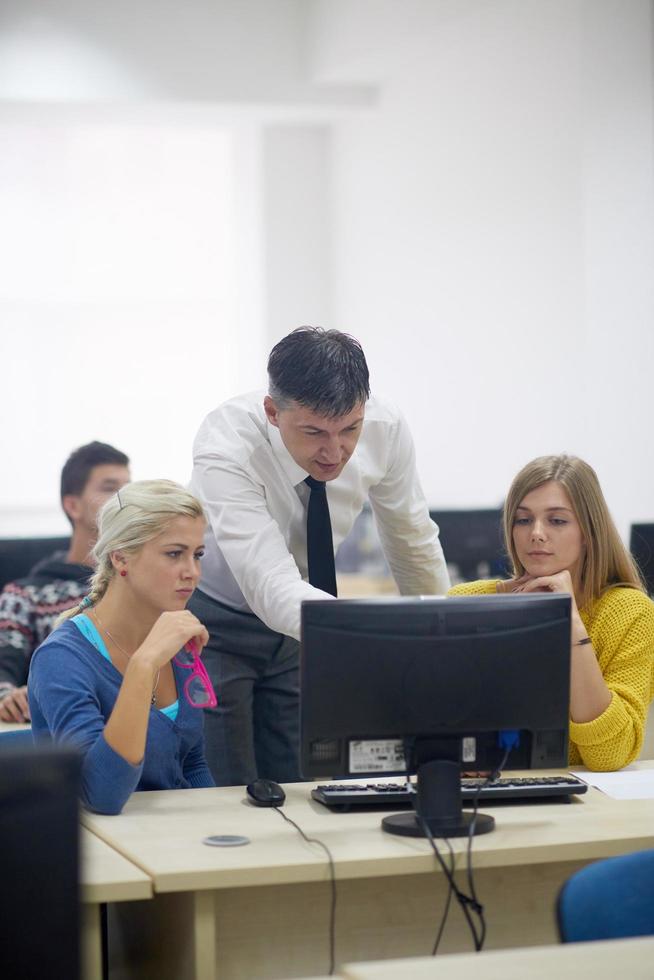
column 252, row 456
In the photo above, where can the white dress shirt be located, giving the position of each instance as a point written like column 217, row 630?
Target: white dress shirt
column 256, row 501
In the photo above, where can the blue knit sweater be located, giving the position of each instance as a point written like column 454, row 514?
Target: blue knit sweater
column 72, row 690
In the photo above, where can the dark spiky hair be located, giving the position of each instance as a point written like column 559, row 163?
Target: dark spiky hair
column 324, row 370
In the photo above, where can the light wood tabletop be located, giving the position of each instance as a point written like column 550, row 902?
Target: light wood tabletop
column 163, row 833
column 14, row 726
column 262, row 910
column 106, row 876
column 632, row 958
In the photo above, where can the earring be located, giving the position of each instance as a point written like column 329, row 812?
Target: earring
column 123, row 572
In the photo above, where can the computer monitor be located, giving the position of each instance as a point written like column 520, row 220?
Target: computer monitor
column 39, row 835
column 641, row 545
column 473, row 541
column 434, row 686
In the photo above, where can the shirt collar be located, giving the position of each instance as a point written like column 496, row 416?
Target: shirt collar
column 294, row 472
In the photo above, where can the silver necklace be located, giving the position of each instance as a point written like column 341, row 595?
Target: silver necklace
column 128, row 656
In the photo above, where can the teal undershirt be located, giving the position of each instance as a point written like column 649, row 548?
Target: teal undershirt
column 89, row 630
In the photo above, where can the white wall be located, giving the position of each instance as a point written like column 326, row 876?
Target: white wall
column 466, row 185
column 618, row 191
column 126, row 296
column 493, row 232
column 295, row 164
column 241, row 52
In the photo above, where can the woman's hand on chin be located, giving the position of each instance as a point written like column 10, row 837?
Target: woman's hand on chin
column 561, row 582
column 514, row 584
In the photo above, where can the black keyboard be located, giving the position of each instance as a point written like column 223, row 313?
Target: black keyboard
column 392, row 796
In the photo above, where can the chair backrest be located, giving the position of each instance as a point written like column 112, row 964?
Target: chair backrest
column 39, row 835
column 610, row 899
column 19, row 555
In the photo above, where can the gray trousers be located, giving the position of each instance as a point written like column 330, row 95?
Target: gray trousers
column 254, row 730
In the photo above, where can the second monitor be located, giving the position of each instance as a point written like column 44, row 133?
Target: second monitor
column 472, row 540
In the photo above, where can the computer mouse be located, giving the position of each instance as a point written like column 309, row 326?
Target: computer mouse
column 265, row 792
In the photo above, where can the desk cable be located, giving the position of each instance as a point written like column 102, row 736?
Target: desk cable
column 332, row 873
column 468, row 901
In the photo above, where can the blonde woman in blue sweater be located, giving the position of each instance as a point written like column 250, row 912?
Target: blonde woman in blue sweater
column 105, row 679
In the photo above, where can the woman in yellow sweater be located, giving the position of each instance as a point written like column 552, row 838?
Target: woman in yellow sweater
column 561, row 538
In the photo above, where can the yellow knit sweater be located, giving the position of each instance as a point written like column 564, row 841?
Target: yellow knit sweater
column 621, row 626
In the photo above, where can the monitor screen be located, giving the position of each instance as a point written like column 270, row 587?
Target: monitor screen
column 473, row 541
column 391, row 684
column 641, row 545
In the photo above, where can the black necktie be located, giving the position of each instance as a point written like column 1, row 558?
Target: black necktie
column 320, row 547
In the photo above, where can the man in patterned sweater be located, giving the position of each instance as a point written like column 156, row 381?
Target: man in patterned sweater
column 29, row 606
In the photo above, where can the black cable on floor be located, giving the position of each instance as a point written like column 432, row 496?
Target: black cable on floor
column 332, row 871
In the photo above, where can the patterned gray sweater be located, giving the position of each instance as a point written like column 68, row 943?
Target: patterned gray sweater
column 28, row 609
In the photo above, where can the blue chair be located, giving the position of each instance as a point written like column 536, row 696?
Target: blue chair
column 610, row 899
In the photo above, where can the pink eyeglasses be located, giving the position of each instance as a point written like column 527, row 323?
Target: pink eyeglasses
column 198, row 689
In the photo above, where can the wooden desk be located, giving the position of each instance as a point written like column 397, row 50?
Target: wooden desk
column 632, row 958
column 106, row 876
column 262, row 910
column 352, row 585
column 14, row 726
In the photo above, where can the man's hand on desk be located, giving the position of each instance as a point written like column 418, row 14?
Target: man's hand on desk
column 14, row 705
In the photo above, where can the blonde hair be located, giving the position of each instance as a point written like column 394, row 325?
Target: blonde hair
column 605, row 562
column 134, row 515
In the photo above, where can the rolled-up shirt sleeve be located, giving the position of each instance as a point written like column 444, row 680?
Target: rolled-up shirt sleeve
column 409, row 537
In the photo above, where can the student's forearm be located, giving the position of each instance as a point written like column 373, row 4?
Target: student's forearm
column 127, row 728
column 589, row 695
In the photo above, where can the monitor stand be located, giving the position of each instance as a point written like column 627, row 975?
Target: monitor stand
column 439, row 802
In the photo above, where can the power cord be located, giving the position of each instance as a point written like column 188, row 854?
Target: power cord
column 332, row 872
column 448, row 901
column 507, row 741
column 468, row 902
